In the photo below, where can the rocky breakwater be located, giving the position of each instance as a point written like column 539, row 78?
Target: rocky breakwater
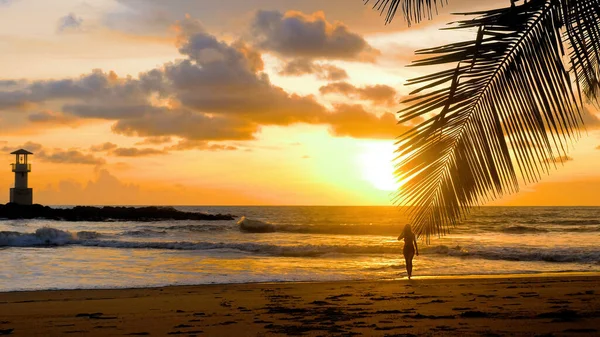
column 105, row 213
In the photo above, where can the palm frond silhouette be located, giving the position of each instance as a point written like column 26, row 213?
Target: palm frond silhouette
column 503, row 114
column 413, row 10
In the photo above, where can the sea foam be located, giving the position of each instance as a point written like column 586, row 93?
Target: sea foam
column 45, row 236
column 52, row 237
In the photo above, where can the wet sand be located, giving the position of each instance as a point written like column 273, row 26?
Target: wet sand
column 543, row 306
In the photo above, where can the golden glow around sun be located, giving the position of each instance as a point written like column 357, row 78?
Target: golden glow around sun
column 376, row 165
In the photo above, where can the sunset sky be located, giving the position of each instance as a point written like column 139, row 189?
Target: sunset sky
column 282, row 102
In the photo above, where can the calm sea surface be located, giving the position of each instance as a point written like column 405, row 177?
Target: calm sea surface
column 309, row 244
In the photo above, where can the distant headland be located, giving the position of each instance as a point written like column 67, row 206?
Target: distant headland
column 105, row 213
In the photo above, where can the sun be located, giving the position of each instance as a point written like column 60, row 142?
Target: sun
column 376, row 165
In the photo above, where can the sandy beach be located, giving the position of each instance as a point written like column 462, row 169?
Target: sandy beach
column 553, row 305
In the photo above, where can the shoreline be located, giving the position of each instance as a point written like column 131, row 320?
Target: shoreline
column 397, row 279
column 540, row 305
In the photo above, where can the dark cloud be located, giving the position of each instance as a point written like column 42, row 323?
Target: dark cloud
column 218, row 92
column 16, row 99
column 200, row 145
column 50, row 117
column 115, row 150
column 108, row 146
column 327, row 72
column 187, row 124
column 332, row 73
column 224, row 79
column 155, row 140
column 137, row 152
column 9, row 83
column 97, row 88
column 29, row 146
column 111, row 112
column 59, row 156
column 378, row 94
column 560, row 159
column 295, row 34
column 70, row 156
column 69, row 22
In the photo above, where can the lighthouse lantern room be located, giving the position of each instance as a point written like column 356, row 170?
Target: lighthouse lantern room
column 21, row 193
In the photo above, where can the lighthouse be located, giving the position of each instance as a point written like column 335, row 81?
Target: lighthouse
column 21, row 194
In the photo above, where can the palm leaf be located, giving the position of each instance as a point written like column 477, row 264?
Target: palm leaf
column 505, row 110
column 413, row 10
column 582, row 20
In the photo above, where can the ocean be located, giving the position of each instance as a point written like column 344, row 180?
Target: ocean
column 319, row 243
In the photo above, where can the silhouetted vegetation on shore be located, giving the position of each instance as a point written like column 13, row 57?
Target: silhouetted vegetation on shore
column 105, row 213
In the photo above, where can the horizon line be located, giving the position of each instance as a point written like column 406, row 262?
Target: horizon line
column 281, row 205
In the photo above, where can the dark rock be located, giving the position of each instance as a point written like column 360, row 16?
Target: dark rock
column 585, row 330
column 475, row 314
column 106, row 213
column 561, row 315
column 320, row 303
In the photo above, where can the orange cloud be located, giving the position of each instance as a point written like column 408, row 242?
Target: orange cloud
column 58, row 156
column 103, row 147
column 155, row 140
column 350, row 121
column 560, row 159
column 115, row 150
column 137, row 152
column 378, row 94
column 298, row 67
column 217, row 93
column 187, row 144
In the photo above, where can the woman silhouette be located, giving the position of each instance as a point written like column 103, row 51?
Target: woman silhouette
column 410, row 247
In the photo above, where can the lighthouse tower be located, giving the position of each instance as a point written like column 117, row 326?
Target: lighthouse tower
column 21, row 194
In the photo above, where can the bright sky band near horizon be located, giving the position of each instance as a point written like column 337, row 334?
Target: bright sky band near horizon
column 230, row 102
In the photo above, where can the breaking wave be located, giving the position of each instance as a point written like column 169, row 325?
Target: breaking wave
column 564, row 222
column 51, row 237
column 144, row 233
column 196, row 228
column 255, row 226
column 523, row 230
column 260, row 226
column 520, row 254
column 45, row 236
